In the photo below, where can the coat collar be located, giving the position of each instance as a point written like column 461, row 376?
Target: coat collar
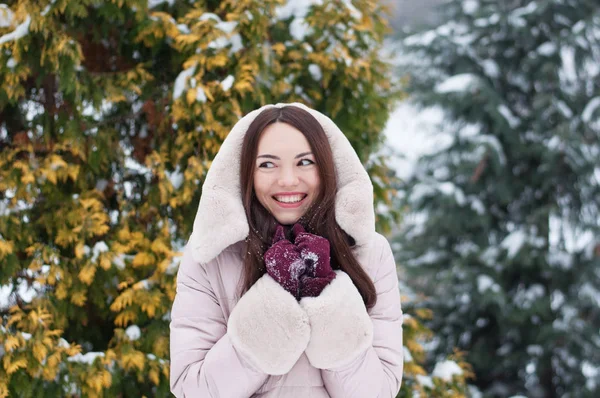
column 221, row 220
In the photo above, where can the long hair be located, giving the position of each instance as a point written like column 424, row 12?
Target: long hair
column 319, row 219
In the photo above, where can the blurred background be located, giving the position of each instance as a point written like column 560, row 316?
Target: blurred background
column 412, row 14
column 477, row 120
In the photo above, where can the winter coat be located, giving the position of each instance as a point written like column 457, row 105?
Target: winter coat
column 266, row 343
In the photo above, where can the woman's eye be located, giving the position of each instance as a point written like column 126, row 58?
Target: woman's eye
column 266, row 165
column 307, row 160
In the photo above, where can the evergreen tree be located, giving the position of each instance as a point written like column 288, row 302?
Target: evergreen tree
column 504, row 220
column 110, row 113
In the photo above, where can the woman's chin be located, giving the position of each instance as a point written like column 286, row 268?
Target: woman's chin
column 288, row 216
column 287, row 219
column 287, row 222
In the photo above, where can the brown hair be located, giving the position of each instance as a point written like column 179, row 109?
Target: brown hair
column 319, row 218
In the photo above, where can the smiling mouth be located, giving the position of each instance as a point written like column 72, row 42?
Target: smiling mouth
column 290, row 199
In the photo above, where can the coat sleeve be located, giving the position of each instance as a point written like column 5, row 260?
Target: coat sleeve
column 267, row 331
column 360, row 353
column 203, row 358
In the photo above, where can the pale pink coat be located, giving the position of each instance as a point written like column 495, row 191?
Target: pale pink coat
column 267, row 344
column 205, row 363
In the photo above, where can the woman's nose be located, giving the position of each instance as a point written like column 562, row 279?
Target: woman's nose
column 288, row 177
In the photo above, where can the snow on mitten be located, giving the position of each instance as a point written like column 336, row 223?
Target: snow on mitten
column 315, row 252
column 284, row 264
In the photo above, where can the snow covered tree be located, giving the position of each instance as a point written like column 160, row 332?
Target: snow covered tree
column 110, row 114
column 504, row 221
column 448, row 376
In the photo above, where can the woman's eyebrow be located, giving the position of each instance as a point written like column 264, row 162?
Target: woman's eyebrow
column 277, row 157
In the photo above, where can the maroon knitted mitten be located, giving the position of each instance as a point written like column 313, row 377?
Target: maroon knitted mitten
column 284, row 264
column 315, row 252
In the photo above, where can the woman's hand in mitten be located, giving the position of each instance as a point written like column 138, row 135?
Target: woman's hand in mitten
column 315, row 252
column 284, row 264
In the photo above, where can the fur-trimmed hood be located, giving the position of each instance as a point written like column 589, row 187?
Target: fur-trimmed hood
column 221, row 220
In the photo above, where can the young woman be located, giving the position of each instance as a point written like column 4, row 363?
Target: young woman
column 284, row 288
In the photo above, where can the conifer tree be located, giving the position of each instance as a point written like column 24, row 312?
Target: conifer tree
column 504, row 224
column 110, row 114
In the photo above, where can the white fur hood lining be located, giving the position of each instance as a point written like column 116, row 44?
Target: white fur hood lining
column 221, row 220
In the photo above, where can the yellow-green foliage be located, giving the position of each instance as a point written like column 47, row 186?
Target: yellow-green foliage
column 102, row 158
column 417, row 381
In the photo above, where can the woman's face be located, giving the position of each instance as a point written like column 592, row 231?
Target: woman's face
column 286, row 178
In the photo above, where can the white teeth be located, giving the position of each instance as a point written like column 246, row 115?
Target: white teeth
column 289, row 198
